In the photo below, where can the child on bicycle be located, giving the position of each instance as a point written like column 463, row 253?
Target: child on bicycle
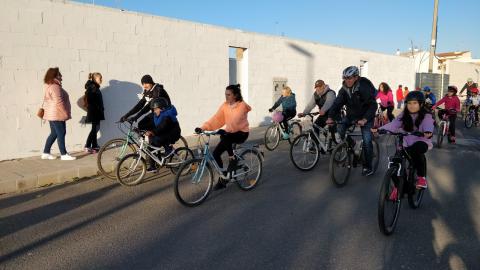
column 289, row 107
column 385, row 95
column 414, row 117
column 164, row 127
column 452, row 106
column 475, row 102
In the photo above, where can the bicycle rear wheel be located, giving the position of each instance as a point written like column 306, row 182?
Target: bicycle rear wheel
column 176, row 160
column 110, row 154
column 304, row 152
column 389, row 210
column 131, row 169
column 193, row 182
column 340, row 165
column 272, row 137
column 295, row 131
column 182, row 142
column 250, row 164
column 440, row 129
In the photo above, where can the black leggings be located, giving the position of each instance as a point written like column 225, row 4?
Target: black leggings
column 389, row 112
column 417, row 154
column 92, row 136
column 225, row 144
column 452, row 118
column 287, row 115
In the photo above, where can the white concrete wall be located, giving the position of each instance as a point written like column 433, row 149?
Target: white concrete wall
column 460, row 72
column 190, row 59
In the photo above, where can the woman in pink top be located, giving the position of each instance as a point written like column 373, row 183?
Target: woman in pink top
column 233, row 115
column 386, row 100
column 56, row 104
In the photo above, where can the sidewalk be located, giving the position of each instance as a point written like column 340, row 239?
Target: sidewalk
column 28, row 173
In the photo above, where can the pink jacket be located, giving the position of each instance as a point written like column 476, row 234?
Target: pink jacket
column 386, row 100
column 233, row 117
column 450, row 103
column 56, row 103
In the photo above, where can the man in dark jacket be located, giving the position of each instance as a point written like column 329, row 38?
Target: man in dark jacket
column 151, row 91
column 358, row 95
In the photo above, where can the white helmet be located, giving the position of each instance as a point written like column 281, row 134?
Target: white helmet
column 350, row 71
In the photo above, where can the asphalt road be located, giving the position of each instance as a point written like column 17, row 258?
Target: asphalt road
column 292, row 220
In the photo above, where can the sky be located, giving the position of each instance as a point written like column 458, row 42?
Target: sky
column 373, row 25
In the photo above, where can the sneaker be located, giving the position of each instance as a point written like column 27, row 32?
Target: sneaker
column 452, row 139
column 48, row 156
column 285, row 136
column 394, row 194
column 95, row 150
column 87, row 150
column 220, row 184
column 421, row 183
column 67, row 157
column 367, row 171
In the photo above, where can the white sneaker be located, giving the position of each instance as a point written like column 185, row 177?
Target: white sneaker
column 48, row 156
column 67, row 157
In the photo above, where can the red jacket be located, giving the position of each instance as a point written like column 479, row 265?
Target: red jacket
column 399, row 94
column 450, row 103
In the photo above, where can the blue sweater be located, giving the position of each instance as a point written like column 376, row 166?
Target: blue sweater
column 288, row 103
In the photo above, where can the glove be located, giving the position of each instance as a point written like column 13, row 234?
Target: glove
column 270, row 110
column 221, row 132
column 198, row 130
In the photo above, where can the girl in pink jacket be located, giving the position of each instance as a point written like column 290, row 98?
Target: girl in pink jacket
column 452, row 106
column 57, row 110
column 386, row 100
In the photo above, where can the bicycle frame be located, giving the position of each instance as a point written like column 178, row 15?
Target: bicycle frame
column 317, row 137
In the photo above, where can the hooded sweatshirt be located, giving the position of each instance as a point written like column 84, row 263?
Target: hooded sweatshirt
column 233, row 117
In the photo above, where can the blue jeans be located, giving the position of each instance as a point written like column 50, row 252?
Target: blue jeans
column 58, row 130
column 399, row 104
column 367, row 137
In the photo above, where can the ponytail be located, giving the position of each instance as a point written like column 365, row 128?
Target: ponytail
column 236, row 91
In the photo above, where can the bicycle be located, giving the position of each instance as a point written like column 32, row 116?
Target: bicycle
column 306, row 148
column 443, row 127
column 471, row 118
column 274, row 133
column 466, row 105
column 398, row 176
column 131, row 169
column 194, row 179
column 114, row 150
column 380, row 118
column 348, row 154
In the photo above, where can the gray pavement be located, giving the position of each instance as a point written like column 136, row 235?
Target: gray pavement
column 292, row 220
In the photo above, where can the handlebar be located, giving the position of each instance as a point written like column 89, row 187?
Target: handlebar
column 310, row 114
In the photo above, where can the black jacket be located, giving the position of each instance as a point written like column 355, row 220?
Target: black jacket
column 359, row 100
column 168, row 129
column 143, row 106
column 95, row 109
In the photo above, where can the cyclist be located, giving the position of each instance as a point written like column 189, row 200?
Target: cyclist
column 323, row 97
column 289, row 109
column 358, row 95
column 414, row 117
column 469, row 86
column 165, row 128
column 233, row 115
column 430, row 98
column 452, row 106
column 386, row 99
column 475, row 102
column 151, row 91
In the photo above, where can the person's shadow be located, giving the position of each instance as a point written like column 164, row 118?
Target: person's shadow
column 118, row 98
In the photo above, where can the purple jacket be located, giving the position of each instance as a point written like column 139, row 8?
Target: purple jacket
column 425, row 126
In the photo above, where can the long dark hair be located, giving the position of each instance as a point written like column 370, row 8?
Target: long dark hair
column 407, row 120
column 236, row 91
column 386, row 87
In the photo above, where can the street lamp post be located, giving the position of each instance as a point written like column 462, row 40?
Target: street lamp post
column 433, row 42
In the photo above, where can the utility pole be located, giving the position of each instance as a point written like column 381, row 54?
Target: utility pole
column 433, row 42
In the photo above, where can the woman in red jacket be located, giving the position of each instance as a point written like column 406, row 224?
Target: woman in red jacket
column 452, row 106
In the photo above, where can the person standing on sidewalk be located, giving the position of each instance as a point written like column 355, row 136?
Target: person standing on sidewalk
column 56, row 104
column 400, row 96
column 95, row 110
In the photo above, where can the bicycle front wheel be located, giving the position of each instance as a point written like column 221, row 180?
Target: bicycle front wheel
column 340, row 165
column 131, row 169
column 304, row 152
column 272, row 137
column 440, row 135
column 250, row 171
column 295, row 131
column 193, row 182
column 469, row 120
column 415, row 195
column 388, row 204
column 110, row 154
